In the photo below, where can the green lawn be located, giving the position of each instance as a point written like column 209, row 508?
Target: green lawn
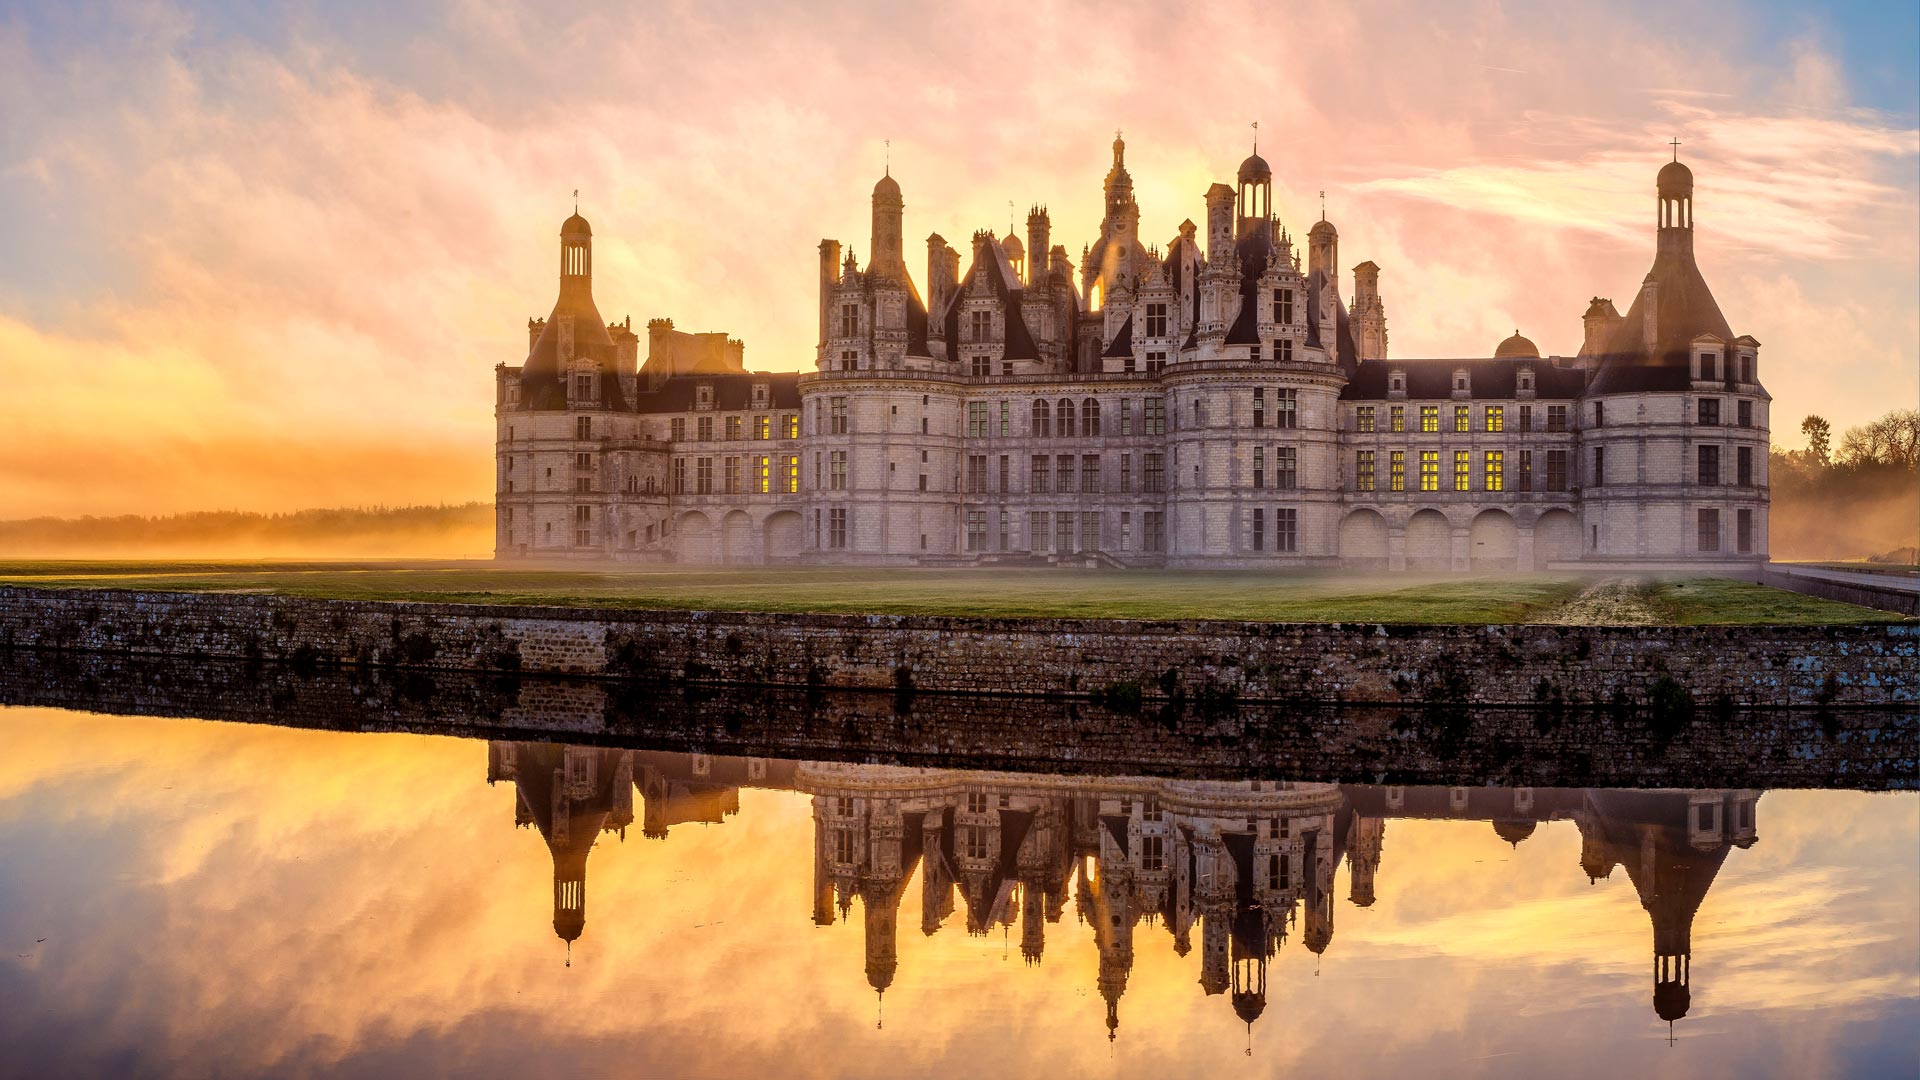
column 992, row 592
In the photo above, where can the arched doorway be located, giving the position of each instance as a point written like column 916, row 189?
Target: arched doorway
column 1493, row 541
column 1556, row 538
column 785, row 535
column 736, row 537
column 693, row 538
column 1363, row 540
column 1429, row 541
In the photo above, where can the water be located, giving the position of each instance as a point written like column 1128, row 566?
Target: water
column 198, row 898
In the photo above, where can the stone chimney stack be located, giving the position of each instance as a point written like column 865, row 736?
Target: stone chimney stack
column 1039, row 240
column 1219, row 225
column 829, row 279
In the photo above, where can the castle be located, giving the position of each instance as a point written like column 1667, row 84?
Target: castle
column 1246, row 866
column 1213, row 403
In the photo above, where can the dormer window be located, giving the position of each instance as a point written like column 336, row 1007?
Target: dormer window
column 759, row 395
column 1526, row 380
column 703, row 396
column 1708, row 367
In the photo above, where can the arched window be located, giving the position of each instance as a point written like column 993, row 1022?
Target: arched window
column 1090, row 417
column 1040, row 423
column 1066, row 418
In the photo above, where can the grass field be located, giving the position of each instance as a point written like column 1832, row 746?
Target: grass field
column 1197, row 594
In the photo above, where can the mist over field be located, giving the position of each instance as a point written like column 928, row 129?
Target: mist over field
column 464, row 530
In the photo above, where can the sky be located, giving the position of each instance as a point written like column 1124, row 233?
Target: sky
column 267, row 259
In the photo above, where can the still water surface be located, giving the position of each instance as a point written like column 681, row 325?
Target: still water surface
column 181, row 897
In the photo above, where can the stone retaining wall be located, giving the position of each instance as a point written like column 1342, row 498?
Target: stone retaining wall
column 1870, row 749
column 1104, row 659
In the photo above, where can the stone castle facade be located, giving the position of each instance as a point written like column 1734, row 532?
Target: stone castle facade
column 1216, row 402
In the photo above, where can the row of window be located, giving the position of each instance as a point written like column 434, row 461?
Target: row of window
column 740, row 475
column 1493, row 418
column 1493, row 471
column 1065, row 532
column 735, row 428
column 1707, row 527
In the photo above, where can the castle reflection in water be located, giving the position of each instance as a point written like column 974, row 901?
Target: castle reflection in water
column 1248, row 864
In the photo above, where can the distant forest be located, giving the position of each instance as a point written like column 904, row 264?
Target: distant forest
column 1859, row 499
column 465, row 529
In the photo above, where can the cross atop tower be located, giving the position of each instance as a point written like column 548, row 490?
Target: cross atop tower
column 1323, row 204
column 1676, row 148
column 888, row 143
column 1256, row 136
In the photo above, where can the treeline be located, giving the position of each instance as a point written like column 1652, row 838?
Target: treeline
column 1857, row 500
column 465, row 529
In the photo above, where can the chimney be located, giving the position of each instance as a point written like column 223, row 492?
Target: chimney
column 1650, row 325
column 829, row 277
column 1039, row 231
column 1219, row 225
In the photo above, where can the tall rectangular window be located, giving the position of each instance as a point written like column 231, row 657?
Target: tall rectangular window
column 790, row 423
column 733, row 476
column 1287, row 409
column 837, row 528
column 1259, row 467
column 736, row 428
column 1286, row 466
column 1493, row 471
column 1089, row 473
column 1462, row 470
column 1429, row 418
column 1556, row 470
column 1153, row 416
column 705, row 429
column 678, row 427
column 1743, row 466
column 1524, row 480
column 1599, row 466
column 1397, row 418
column 1463, row 418
column 1286, row 529
column 1006, row 473
column 976, row 473
column 976, row 420
column 1363, row 470
column 1126, row 416
column 1126, row 472
column 1063, row 473
column 1037, row 481
column 837, row 471
column 1036, row 530
column 1709, row 410
column 1283, row 306
column 1126, row 530
column 1496, row 418
column 837, row 415
column 1153, row 530
column 1397, row 464
column 849, row 320
column 1258, row 540
column 1259, row 406
column 1744, row 413
column 1156, row 320
column 1283, row 350
column 763, row 427
column 1063, row 532
column 679, row 476
column 1006, row 419
column 1743, row 531
column 1154, row 475
column 1004, row 522
column 1363, row 419
column 703, row 475
column 976, row 530
column 1709, row 464
column 1089, row 530
column 1556, row 418
column 1429, row 470
column 762, row 474
column 583, row 427
column 1709, row 530
column 1526, row 418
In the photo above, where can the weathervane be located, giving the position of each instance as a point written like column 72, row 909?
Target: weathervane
column 1323, row 204
column 889, row 156
column 1256, row 136
column 576, row 200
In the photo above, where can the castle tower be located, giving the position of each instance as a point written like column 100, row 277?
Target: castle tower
column 1368, row 314
column 1255, row 198
column 1323, row 249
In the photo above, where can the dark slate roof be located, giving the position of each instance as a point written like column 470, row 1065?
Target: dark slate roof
column 1122, row 341
column 541, row 385
column 1491, row 379
column 1685, row 310
column 731, row 393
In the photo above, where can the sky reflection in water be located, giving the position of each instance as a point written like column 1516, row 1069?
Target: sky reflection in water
column 231, row 899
